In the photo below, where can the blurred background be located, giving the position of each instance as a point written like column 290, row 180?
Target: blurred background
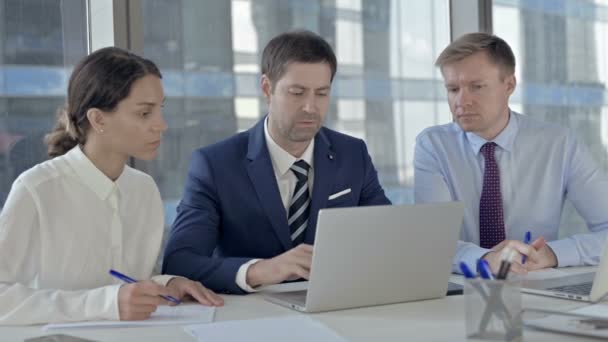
column 386, row 91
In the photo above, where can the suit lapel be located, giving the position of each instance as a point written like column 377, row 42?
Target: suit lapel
column 264, row 182
column 324, row 169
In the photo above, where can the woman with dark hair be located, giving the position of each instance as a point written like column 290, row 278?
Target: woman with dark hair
column 71, row 219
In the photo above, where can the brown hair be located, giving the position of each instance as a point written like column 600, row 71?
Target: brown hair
column 101, row 80
column 296, row 46
column 497, row 50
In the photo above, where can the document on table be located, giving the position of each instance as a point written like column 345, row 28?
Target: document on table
column 598, row 310
column 291, row 328
column 165, row 315
column 590, row 320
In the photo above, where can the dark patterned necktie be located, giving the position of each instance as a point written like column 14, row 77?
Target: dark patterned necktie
column 491, row 217
column 299, row 207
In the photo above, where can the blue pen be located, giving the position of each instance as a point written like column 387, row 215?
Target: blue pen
column 466, row 271
column 484, row 269
column 130, row 280
column 527, row 238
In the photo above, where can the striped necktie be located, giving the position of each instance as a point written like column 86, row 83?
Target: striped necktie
column 299, row 207
column 491, row 217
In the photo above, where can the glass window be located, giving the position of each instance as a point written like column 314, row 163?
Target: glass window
column 561, row 49
column 39, row 43
column 386, row 89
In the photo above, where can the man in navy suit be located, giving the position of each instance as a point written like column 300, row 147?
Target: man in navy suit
column 249, row 212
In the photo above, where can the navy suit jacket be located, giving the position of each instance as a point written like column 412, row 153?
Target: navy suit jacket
column 232, row 212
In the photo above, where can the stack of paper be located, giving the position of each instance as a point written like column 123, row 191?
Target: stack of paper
column 590, row 320
column 292, row 329
column 165, row 315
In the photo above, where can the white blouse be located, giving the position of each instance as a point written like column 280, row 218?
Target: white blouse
column 63, row 227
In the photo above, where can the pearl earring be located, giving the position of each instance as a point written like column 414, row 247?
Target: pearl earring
column 101, row 131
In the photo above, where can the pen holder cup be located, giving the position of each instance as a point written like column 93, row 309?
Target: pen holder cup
column 493, row 310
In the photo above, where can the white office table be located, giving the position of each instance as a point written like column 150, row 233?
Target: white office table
column 431, row 320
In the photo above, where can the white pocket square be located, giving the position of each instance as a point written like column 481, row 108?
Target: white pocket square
column 338, row 194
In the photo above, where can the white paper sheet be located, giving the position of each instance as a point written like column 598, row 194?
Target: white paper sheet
column 576, row 325
column 291, row 328
column 597, row 310
column 182, row 314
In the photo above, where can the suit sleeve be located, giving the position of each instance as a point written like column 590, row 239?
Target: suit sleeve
column 195, row 233
column 372, row 193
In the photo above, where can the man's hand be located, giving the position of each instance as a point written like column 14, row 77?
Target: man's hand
column 137, row 301
column 182, row 288
column 546, row 257
column 539, row 255
column 291, row 265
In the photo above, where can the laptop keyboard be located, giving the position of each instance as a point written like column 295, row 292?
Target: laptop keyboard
column 582, row 289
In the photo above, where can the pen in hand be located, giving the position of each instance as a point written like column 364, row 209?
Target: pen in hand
column 130, row 280
column 527, row 239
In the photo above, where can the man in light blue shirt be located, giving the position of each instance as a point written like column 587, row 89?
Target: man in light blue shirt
column 513, row 173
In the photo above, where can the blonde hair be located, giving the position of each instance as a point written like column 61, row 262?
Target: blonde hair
column 497, row 50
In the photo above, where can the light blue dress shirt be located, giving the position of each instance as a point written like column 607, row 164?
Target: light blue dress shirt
column 541, row 164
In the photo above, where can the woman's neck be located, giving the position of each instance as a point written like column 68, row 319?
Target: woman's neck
column 111, row 164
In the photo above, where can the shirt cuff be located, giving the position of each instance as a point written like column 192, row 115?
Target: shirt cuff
column 163, row 279
column 241, row 276
column 565, row 252
column 102, row 303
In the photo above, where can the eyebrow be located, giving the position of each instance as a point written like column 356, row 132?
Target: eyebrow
column 467, row 82
column 145, row 103
column 327, row 87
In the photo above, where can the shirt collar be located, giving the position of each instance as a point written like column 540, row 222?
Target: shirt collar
column 504, row 139
column 281, row 159
column 91, row 176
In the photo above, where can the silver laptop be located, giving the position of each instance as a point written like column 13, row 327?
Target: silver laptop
column 587, row 287
column 377, row 255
